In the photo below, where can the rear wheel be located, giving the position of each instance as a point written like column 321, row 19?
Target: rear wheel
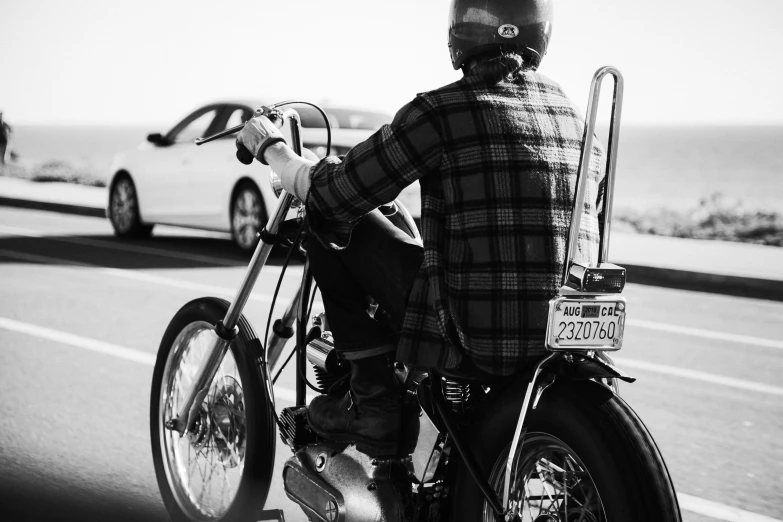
column 124, row 211
column 247, row 216
column 222, row 467
column 586, row 456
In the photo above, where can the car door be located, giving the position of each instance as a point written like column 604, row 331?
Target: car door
column 213, row 172
column 170, row 185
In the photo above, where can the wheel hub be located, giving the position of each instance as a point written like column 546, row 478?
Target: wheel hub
column 198, row 435
column 227, row 420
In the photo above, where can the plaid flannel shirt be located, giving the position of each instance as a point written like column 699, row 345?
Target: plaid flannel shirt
column 497, row 164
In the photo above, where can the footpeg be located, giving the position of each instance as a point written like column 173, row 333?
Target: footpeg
column 295, row 431
column 270, row 514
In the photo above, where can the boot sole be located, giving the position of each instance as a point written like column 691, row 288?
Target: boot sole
column 373, row 448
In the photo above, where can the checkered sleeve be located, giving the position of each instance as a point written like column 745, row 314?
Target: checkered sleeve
column 374, row 172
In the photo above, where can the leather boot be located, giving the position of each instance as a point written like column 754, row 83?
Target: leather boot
column 369, row 414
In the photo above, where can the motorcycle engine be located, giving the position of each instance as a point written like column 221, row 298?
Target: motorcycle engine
column 332, row 482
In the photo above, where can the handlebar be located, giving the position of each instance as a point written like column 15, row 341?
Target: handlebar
column 227, row 132
column 243, row 155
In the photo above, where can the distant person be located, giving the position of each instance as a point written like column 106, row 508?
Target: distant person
column 5, row 140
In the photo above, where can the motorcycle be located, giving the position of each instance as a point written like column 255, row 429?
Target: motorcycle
column 554, row 444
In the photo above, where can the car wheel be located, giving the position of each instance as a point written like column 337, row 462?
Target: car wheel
column 247, row 216
column 124, row 210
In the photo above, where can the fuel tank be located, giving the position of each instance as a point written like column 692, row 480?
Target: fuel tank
column 335, row 483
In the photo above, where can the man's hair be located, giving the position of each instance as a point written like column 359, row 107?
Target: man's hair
column 496, row 66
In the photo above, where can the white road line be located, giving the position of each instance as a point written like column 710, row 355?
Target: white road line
column 719, row 511
column 128, row 354
column 135, row 275
column 113, row 350
column 711, row 378
column 705, row 334
column 139, row 356
column 687, row 502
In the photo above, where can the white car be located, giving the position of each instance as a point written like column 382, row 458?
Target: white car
column 171, row 181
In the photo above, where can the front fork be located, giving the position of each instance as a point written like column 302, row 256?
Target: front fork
column 226, row 330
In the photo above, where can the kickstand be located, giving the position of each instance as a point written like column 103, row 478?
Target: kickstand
column 270, row 514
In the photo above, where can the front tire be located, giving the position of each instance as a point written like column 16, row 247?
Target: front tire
column 221, row 469
column 124, row 211
column 586, row 456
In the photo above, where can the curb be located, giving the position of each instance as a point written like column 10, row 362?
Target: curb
column 739, row 286
column 63, row 208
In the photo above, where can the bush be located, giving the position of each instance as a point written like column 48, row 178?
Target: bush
column 715, row 218
column 52, row 171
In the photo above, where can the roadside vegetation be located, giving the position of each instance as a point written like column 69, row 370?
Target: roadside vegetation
column 52, row 171
column 714, row 218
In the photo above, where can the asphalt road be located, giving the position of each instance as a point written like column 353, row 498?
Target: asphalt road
column 74, row 438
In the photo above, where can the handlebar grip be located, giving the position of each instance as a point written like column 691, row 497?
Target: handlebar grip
column 243, row 155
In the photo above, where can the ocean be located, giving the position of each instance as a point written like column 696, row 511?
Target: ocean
column 674, row 167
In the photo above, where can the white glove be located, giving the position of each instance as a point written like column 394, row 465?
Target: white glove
column 258, row 134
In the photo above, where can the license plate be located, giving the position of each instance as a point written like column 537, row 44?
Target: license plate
column 577, row 323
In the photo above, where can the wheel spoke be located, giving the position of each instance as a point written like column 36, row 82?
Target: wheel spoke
column 548, row 466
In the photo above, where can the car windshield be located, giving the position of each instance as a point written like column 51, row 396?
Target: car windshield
column 343, row 118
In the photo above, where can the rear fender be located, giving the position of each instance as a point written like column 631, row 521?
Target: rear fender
column 509, row 398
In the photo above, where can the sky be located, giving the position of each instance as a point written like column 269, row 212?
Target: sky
column 709, row 62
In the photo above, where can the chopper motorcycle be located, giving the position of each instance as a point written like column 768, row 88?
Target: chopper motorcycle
column 553, row 444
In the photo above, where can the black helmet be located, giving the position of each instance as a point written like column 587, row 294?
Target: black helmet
column 480, row 26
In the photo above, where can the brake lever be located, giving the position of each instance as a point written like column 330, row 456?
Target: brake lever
column 232, row 130
column 270, row 112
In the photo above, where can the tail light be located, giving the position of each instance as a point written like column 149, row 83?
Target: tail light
column 606, row 278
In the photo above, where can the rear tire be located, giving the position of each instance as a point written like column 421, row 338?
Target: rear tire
column 220, row 470
column 124, row 211
column 599, row 432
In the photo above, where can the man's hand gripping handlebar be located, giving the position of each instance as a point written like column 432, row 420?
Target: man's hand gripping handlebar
column 255, row 135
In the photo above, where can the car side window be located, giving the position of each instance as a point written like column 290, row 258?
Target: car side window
column 238, row 115
column 196, row 128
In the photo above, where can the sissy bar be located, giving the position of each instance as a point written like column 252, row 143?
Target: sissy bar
column 226, row 330
column 605, row 277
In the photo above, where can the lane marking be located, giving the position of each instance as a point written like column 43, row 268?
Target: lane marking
column 141, row 276
column 687, row 502
column 706, row 334
column 711, row 378
column 139, row 356
column 711, row 509
column 85, row 343
column 113, row 350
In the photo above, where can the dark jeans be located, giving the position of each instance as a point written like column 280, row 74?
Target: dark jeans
column 381, row 261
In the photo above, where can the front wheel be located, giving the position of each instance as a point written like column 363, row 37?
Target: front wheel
column 222, row 467
column 586, row 456
column 124, row 211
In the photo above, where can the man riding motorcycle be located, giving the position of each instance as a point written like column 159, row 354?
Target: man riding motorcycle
column 496, row 155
